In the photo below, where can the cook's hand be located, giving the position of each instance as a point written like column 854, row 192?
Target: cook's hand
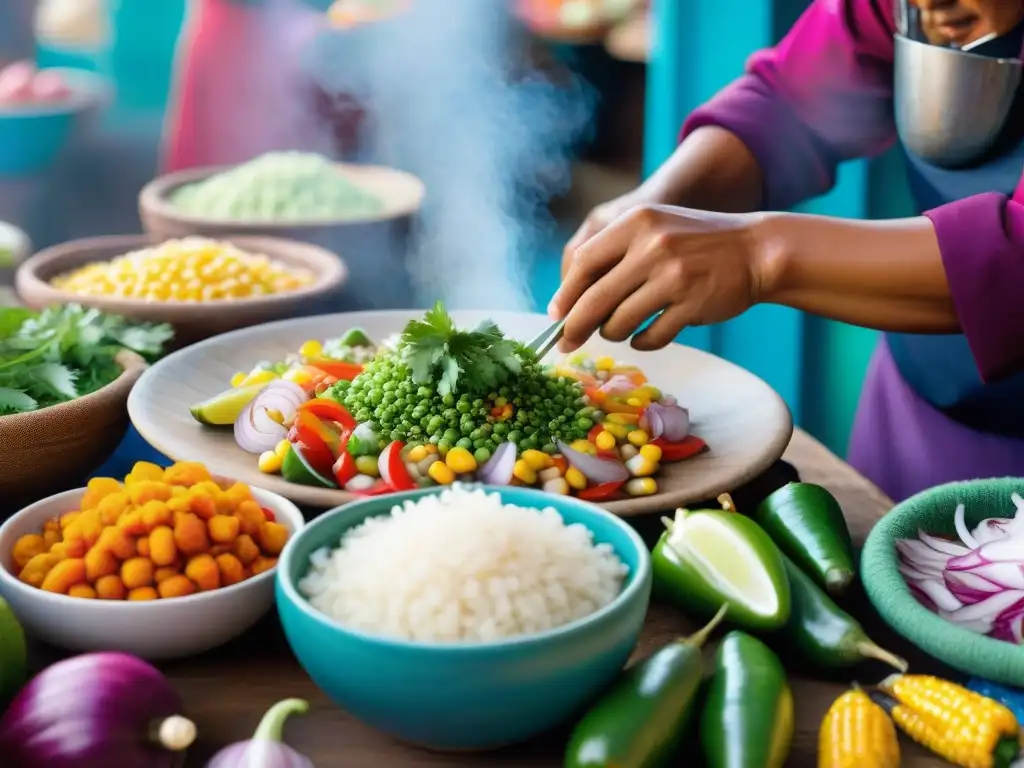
column 601, row 217
column 693, row 267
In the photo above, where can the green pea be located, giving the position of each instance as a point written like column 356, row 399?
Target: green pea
column 515, row 436
column 500, row 429
column 448, row 399
column 481, row 454
column 464, row 442
column 463, row 406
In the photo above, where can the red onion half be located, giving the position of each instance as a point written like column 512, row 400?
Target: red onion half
column 669, row 421
column 256, row 430
column 96, row 711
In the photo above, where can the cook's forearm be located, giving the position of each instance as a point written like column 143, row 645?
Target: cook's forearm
column 887, row 275
column 711, row 170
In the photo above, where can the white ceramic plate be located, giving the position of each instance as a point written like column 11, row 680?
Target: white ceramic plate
column 744, row 422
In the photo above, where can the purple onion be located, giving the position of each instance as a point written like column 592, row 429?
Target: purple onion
column 499, row 468
column 95, row 711
column 596, row 470
column 673, row 421
column 266, row 749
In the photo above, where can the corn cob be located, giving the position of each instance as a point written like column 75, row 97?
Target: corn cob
column 856, row 733
column 963, row 727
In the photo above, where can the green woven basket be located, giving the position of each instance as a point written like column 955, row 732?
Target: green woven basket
column 932, row 511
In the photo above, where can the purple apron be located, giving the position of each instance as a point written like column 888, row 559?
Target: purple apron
column 925, row 417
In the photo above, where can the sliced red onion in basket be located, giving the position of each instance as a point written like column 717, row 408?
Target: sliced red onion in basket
column 255, row 430
column 596, row 470
column 937, row 592
column 498, row 469
column 945, row 546
column 961, row 527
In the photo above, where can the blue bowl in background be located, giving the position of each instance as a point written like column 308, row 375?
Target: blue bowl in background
column 468, row 696
column 33, row 136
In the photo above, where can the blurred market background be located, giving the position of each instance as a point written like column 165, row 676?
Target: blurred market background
column 592, row 94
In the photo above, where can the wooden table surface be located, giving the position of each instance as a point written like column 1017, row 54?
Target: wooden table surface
column 226, row 691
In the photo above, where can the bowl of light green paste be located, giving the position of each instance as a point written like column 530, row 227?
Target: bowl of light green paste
column 279, row 193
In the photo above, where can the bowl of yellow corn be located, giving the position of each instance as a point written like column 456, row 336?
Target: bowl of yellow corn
column 201, row 286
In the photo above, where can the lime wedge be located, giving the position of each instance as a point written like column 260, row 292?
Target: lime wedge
column 223, row 409
column 729, row 562
column 709, row 558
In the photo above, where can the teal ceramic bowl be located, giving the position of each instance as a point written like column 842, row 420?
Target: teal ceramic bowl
column 465, row 696
column 32, row 137
column 932, row 511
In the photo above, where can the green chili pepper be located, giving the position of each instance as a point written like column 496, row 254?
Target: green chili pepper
column 641, row 721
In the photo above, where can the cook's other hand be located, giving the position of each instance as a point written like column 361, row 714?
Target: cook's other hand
column 693, row 267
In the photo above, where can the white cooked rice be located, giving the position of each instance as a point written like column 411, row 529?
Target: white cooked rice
column 463, row 567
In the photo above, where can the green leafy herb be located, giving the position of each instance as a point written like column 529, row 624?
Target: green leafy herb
column 65, row 352
column 452, row 359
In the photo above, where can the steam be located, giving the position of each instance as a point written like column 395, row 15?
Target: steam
column 452, row 102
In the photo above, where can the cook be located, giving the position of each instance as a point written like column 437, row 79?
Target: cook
column 944, row 397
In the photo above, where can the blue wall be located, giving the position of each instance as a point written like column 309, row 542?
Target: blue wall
column 816, row 365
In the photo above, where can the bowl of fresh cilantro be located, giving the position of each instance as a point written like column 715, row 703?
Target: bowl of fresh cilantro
column 65, row 375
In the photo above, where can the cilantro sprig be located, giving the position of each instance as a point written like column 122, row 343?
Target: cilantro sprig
column 65, row 352
column 453, row 359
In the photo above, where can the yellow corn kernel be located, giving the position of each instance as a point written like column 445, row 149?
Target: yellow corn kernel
column 259, row 377
column 576, row 479
column 638, row 437
column 523, row 471
column 367, row 465
column 238, row 379
column 537, row 460
column 311, row 348
column 959, row 725
column 460, row 461
column 584, row 446
column 639, row 466
column 604, row 363
column 282, row 448
column 857, row 733
column 430, row 448
column 270, row 463
column 441, row 474
column 641, row 486
column 619, row 431
column 605, row 441
column 298, row 376
column 651, row 452
column 417, row 454
column 623, row 418
column 635, row 402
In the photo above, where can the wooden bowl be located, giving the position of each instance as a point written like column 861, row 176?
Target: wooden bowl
column 402, row 195
column 55, row 448
column 191, row 321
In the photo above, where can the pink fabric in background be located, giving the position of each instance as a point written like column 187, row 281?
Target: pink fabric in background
column 239, row 88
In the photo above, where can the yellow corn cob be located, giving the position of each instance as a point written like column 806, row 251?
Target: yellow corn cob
column 856, row 733
column 964, row 727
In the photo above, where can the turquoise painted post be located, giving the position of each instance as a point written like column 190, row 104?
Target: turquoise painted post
column 700, row 46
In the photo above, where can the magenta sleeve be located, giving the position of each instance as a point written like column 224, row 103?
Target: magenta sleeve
column 821, row 96
column 982, row 243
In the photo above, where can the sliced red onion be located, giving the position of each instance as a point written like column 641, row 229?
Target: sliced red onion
column 986, row 611
column 1018, row 502
column 596, row 470
column 938, row 594
column 655, row 425
column 255, row 430
column 1000, row 551
column 498, row 469
column 668, row 400
column 961, row 527
column 617, row 385
column 922, row 598
column 967, row 592
column 674, row 419
column 972, row 580
column 945, row 546
column 912, row 574
column 992, row 529
column 920, row 556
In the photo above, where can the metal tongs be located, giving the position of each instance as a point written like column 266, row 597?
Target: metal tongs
column 546, row 340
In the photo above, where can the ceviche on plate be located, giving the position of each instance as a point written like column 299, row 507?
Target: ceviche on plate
column 439, row 404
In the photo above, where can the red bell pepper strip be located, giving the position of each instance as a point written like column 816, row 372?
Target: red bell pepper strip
column 344, row 468
column 326, row 409
column 269, row 514
column 320, row 444
column 686, row 448
column 595, row 430
column 601, row 492
column 379, row 488
column 339, row 369
column 392, row 467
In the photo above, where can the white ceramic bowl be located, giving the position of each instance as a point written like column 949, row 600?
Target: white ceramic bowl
column 158, row 629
